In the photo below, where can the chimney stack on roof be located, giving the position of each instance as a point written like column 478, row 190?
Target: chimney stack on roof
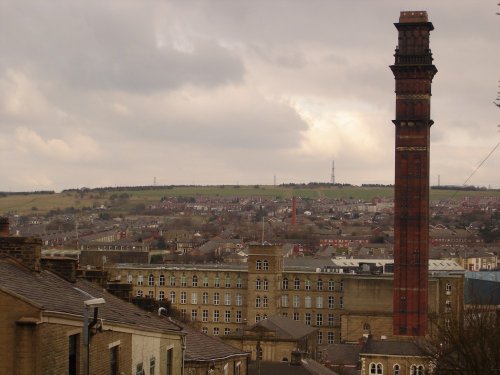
column 4, row 227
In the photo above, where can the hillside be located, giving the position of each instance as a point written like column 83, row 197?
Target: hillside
column 128, row 197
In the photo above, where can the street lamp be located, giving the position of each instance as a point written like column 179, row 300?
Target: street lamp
column 90, row 303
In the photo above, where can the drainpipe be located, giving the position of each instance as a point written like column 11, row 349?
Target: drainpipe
column 183, row 348
column 86, row 340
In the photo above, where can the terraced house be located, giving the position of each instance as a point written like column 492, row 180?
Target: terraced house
column 342, row 302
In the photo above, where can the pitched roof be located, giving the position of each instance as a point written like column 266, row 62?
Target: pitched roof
column 385, row 347
column 343, row 354
column 53, row 294
column 285, row 328
column 308, row 367
column 201, row 347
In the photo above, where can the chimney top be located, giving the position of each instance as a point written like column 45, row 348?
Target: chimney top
column 413, row 16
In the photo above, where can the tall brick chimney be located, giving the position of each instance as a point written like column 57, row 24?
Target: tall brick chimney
column 413, row 72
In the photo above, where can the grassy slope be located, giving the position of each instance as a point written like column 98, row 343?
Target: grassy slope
column 24, row 204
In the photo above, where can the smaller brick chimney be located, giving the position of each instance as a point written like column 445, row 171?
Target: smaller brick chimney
column 27, row 250
column 4, row 227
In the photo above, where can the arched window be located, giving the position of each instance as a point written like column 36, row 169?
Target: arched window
column 366, row 326
column 413, row 370
column 257, row 284
column 265, row 265
column 162, row 280
column 376, row 369
column 161, row 295
column 257, row 318
column 320, row 284
column 396, row 369
column 285, row 284
column 194, row 281
column 151, row 280
column 420, row 370
column 257, row 301
column 140, row 293
column 266, row 284
column 172, row 297
column 258, row 264
column 296, row 283
column 265, row 302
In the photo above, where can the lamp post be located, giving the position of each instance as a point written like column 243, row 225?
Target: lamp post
column 88, row 304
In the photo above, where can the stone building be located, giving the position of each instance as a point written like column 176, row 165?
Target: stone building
column 57, row 324
column 208, row 354
column 225, row 298
column 393, row 357
column 276, row 338
column 42, row 328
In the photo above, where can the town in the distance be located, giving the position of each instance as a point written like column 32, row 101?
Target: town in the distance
column 313, row 278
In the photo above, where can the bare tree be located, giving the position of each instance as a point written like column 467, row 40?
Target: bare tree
column 468, row 346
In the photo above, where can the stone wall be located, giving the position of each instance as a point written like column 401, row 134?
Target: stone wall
column 26, row 250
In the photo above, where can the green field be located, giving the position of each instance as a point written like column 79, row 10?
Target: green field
column 43, row 203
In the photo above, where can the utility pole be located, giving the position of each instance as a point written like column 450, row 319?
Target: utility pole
column 333, row 172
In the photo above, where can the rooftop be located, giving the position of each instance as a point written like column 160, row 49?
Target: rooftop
column 52, row 294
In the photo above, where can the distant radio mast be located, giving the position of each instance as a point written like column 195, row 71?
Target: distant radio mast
column 333, row 172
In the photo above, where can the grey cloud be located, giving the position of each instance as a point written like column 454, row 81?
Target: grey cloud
column 196, row 90
column 93, row 45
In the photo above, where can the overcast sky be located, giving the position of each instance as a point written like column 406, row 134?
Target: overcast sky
column 120, row 92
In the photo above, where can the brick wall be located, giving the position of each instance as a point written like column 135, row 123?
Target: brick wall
column 99, row 352
column 27, row 250
column 53, row 349
column 10, row 349
column 64, row 267
column 94, row 258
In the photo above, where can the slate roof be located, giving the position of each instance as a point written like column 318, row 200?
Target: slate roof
column 385, row 347
column 306, row 263
column 483, row 292
column 285, row 328
column 51, row 293
column 201, row 347
column 308, row 367
column 343, row 354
